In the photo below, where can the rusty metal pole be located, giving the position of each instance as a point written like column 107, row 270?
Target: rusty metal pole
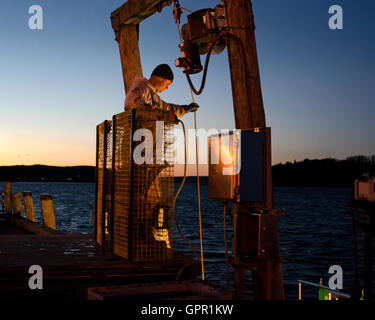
column 249, row 113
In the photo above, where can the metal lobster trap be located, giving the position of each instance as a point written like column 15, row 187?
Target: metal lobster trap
column 135, row 184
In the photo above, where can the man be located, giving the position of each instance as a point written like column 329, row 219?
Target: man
column 144, row 93
column 153, row 224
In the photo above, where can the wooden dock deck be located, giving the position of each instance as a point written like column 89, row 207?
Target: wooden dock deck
column 72, row 263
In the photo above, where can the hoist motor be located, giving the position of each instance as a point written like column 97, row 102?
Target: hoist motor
column 202, row 28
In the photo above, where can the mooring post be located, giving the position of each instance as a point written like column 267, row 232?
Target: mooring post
column 17, row 204
column 367, row 237
column 48, row 212
column 8, row 197
column 29, row 206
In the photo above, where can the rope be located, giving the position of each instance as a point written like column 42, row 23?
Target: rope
column 176, row 195
column 197, row 165
column 199, row 195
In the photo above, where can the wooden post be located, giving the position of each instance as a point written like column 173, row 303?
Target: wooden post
column 29, row 206
column 249, row 113
column 129, row 53
column 368, row 265
column 8, row 197
column 17, row 204
column 48, row 213
column 244, row 70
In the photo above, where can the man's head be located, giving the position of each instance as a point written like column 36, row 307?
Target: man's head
column 161, row 77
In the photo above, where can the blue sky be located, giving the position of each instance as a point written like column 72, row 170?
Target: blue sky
column 58, row 83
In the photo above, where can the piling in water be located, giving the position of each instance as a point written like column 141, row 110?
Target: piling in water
column 29, row 206
column 17, row 204
column 48, row 213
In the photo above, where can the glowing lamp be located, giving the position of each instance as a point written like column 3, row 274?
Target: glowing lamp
column 236, row 165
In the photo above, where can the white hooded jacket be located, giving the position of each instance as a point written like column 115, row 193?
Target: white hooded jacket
column 143, row 94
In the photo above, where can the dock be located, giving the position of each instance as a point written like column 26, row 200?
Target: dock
column 73, row 263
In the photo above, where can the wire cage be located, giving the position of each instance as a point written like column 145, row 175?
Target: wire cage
column 135, row 184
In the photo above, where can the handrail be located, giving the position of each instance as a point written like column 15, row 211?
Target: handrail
column 331, row 292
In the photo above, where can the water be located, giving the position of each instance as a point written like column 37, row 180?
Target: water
column 315, row 233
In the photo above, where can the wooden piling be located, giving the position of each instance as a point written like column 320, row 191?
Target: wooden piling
column 17, row 204
column 48, row 212
column 8, row 197
column 29, row 206
column 249, row 113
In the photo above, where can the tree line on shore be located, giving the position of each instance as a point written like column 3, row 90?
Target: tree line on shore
column 322, row 172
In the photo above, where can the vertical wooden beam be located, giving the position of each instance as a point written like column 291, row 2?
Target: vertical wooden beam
column 29, row 206
column 244, row 68
column 48, row 212
column 129, row 53
column 367, row 237
column 8, row 197
column 249, row 113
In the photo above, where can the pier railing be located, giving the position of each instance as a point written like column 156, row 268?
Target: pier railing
column 332, row 294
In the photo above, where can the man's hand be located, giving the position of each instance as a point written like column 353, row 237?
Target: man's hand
column 193, row 107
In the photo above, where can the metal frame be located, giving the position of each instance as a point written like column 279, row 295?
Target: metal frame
column 131, row 196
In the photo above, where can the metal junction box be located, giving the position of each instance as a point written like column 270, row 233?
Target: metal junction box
column 237, row 162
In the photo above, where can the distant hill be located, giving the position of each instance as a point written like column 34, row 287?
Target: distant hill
column 323, row 172
column 47, row 173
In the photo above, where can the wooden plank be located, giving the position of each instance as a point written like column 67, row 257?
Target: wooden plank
column 30, row 226
column 73, row 262
column 176, row 290
column 135, row 11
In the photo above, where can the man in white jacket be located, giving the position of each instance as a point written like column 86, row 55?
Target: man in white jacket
column 145, row 93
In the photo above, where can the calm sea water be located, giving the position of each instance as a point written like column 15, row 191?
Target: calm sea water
column 315, row 233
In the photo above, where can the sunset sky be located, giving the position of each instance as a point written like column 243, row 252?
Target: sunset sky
column 58, row 83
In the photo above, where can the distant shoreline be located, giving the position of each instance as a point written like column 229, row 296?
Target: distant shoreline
column 323, row 172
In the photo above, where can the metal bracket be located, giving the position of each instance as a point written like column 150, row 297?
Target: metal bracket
column 177, row 11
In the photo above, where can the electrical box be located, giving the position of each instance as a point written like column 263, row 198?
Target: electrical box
column 237, row 161
column 364, row 188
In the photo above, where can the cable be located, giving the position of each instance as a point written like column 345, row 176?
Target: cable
column 177, row 193
column 227, row 35
column 198, row 92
